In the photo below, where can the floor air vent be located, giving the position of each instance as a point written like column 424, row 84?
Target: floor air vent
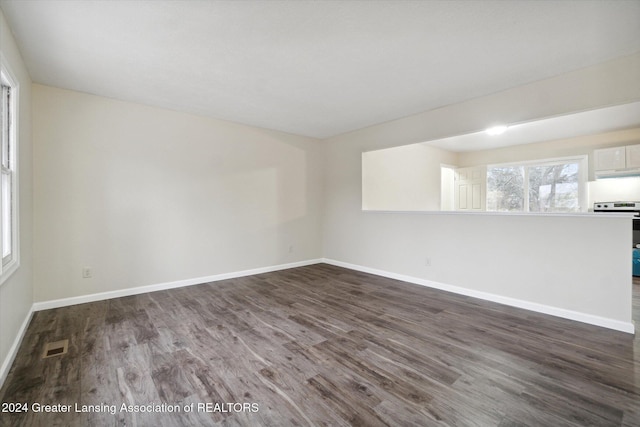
column 57, row 348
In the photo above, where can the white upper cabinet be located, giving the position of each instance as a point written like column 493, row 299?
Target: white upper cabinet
column 610, row 158
column 633, row 156
column 617, row 161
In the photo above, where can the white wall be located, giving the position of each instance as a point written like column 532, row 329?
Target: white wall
column 16, row 294
column 614, row 189
column 146, row 196
column 403, row 178
column 447, row 188
column 573, row 263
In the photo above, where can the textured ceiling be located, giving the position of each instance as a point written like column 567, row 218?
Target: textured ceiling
column 316, row 68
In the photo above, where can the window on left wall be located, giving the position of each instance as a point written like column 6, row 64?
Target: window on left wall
column 8, row 174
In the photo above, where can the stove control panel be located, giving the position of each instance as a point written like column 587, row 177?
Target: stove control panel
column 617, row 206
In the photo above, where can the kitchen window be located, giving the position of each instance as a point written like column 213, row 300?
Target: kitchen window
column 550, row 185
column 8, row 174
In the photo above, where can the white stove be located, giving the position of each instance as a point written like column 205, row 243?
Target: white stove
column 629, row 207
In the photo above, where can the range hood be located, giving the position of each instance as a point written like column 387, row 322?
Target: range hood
column 621, row 173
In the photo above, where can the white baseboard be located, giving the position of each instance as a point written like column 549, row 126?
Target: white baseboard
column 591, row 319
column 13, row 351
column 63, row 302
column 617, row 325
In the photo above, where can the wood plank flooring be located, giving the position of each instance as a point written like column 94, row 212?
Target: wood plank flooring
column 322, row 345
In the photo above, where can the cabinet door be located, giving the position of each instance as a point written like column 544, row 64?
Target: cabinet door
column 610, row 158
column 471, row 189
column 633, row 156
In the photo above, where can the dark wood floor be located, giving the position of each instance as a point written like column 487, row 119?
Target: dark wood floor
column 322, row 345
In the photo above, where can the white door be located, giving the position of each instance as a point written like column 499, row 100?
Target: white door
column 471, row 189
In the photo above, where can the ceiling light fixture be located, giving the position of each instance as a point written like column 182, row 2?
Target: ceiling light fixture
column 496, row 130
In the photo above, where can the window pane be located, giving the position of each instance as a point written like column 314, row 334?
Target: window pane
column 5, row 126
column 505, row 188
column 554, row 188
column 6, row 214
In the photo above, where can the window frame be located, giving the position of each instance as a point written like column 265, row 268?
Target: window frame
column 582, row 161
column 7, row 78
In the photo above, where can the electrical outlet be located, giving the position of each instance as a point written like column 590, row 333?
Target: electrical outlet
column 86, row 272
column 427, row 262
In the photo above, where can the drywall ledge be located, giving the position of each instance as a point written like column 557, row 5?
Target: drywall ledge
column 617, row 325
column 63, row 302
column 500, row 213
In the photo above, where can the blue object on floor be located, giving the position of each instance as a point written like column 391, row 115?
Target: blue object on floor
column 636, row 262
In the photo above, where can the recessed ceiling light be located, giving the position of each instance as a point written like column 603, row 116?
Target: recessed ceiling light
column 496, row 130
